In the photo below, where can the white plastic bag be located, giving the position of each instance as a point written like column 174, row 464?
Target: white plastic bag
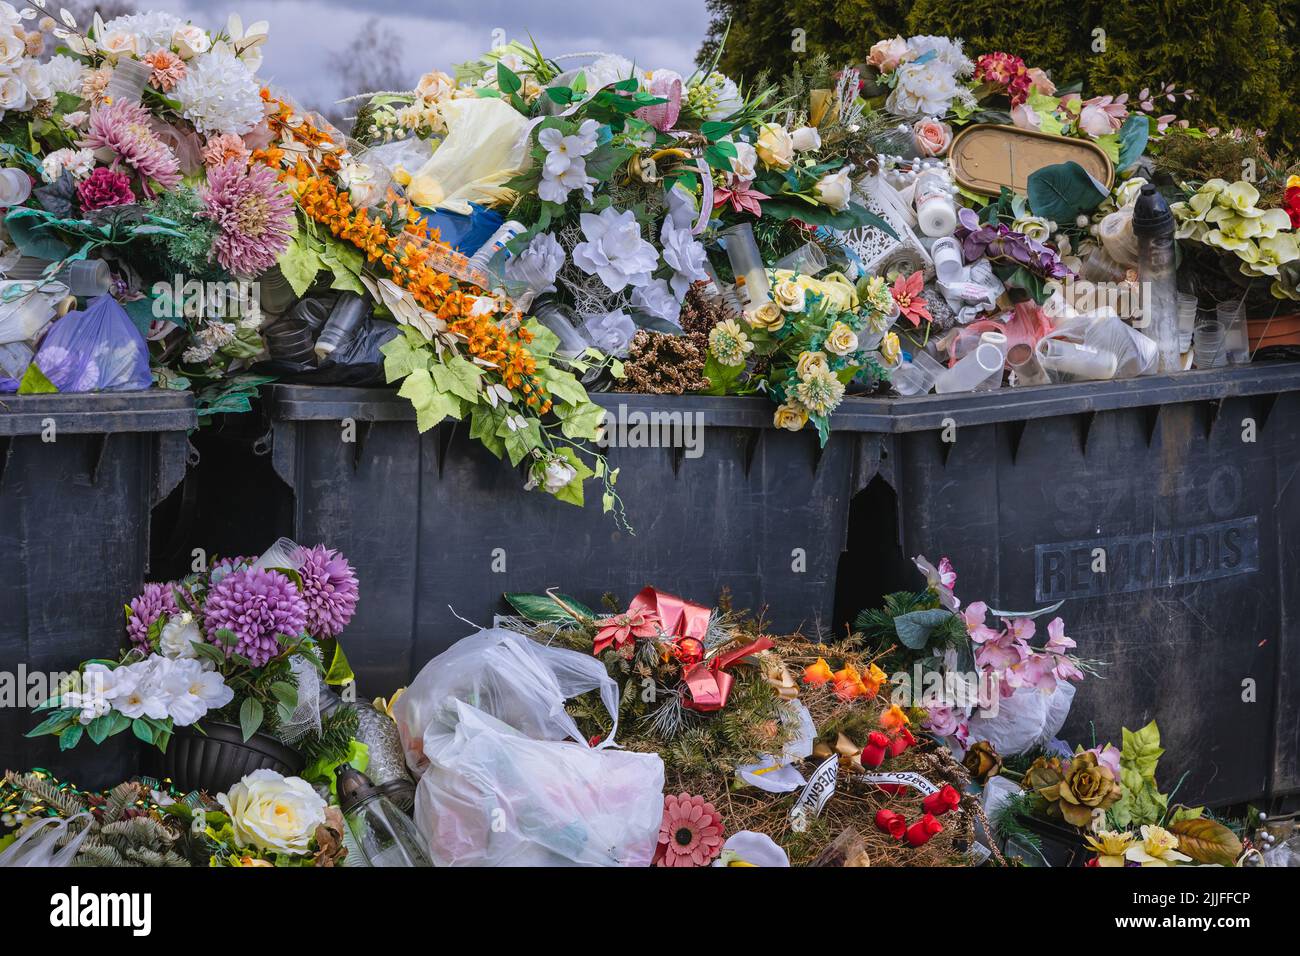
column 1026, row 718
column 520, row 682
column 486, row 144
column 494, row 797
column 506, row 776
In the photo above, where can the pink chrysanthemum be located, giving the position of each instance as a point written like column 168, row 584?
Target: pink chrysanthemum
column 691, row 832
column 122, row 128
column 224, row 149
column 259, row 607
column 168, row 69
column 329, row 586
column 104, row 188
column 155, row 601
column 255, row 213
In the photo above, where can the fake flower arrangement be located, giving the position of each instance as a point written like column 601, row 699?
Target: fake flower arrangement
column 804, row 345
column 224, row 644
column 743, row 722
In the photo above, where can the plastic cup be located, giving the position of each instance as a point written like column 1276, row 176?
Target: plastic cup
column 1236, row 343
column 1187, row 304
column 128, row 80
column 1208, row 349
column 808, row 260
column 948, row 264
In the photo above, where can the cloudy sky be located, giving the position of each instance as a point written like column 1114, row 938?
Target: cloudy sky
column 658, row 33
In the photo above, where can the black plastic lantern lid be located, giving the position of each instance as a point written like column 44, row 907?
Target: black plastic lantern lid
column 1151, row 215
column 354, row 787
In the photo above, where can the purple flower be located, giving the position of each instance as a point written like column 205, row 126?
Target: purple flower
column 256, row 215
column 329, row 587
column 259, row 607
column 998, row 241
column 156, row 601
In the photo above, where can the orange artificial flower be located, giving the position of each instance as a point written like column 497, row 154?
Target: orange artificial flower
column 817, row 674
column 874, row 678
column 848, row 683
column 894, row 720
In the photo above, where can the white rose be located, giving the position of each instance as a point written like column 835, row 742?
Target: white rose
column 178, row 635
column 36, row 80
column 190, row 41
column 273, row 812
column 120, row 42
column 745, row 165
column 435, row 87
column 558, row 475
column 806, row 138
column 834, row 190
column 13, row 94
column 12, row 48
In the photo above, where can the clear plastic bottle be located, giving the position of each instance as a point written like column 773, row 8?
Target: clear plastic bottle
column 380, row 834
column 1153, row 226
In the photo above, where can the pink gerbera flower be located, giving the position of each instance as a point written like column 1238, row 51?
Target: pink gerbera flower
column 691, row 832
column 255, row 213
column 122, row 128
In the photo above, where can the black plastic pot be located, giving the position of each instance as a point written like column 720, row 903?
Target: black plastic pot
column 216, row 759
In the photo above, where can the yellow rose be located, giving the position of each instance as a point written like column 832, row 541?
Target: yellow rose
column 842, row 339
column 807, row 362
column 891, row 350
column 775, row 147
column 767, row 316
column 790, row 296
column 790, row 417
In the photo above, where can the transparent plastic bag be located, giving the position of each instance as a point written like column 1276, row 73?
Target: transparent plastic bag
column 38, row 845
column 494, row 797
column 516, row 680
column 98, row 350
column 1026, row 718
column 507, row 778
column 27, row 306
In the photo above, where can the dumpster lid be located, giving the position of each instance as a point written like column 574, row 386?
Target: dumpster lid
column 155, row 410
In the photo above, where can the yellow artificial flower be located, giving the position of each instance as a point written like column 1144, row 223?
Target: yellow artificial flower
column 1159, row 847
column 790, row 416
column 1110, row 846
column 807, row 362
column 767, row 316
column 842, row 340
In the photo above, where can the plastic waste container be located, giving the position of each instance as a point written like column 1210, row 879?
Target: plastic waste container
column 79, row 475
column 1164, row 512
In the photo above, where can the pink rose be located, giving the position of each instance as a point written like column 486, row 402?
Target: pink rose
column 887, row 54
column 1025, row 117
column 1041, row 82
column 1103, row 115
column 931, row 137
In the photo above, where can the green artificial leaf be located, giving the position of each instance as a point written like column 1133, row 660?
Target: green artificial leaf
column 285, row 693
column 1133, row 136
column 431, row 405
column 1207, row 841
column 459, row 376
column 1142, row 750
column 55, row 723
column 27, row 231
column 519, row 442
column 101, row 727
column 483, row 424
column 339, row 671
column 915, row 627
column 572, row 493
column 71, row 737
column 582, row 421
column 543, row 609
column 250, row 717
column 226, row 636
column 401, row 358
column 300, row 262
column 563, row 386
column 723, row 379
column 1064, row 191
column 140, row 727
column 507, row 80
column 544, row 342
column 35, row 382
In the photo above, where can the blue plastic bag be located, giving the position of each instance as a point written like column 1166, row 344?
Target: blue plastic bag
column 98, row 350
column 465, row 234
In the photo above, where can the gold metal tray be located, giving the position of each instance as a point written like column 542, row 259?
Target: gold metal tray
column 987, row 156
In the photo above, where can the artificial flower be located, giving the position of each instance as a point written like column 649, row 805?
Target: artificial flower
column 923, row 830
column 274, row 813
column 848, row 683
column 1159, row 847
column 537, row 264
column 926, row 88
column 821, row 392
column 886, row 55
column 191, row 691
column 767, row 317
column 835, row 190
column 790, row 416
column 623, row 629
column 740, row 196
column 789, row 295
column 806, row 139
column 931, row 136
column 715, row 97
column 982, row 762
column 121, row 133
column 891, row 348
column 729, row 344
column 1005, row 72
column 1035, row 227
column 691, row 832
column 224, row 148
column 614, row 250
column 168, row 69
column 155, row 602
column 1103, row 115
column 941, row 801
column 329, row 589
column 1110, row 846
column 907, row 292
column 808, row 361
column 891, row 822
column 179, row 635
column 219, row 94
column 818, row 673
column 745, row 163
column 255, row 214
column 667, row 85
column 894, row 719
column 254, row 609
column 775, row 147
column 841, row 340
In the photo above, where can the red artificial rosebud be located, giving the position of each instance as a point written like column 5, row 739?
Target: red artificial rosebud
column 919, row 833
column 895, row 824
column 873, row 754
column 594, row 739
column 941, row 801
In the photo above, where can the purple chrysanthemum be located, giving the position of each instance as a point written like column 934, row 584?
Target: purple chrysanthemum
column 259, row 607
column 156, row 601
column 329, row 586
column 255, row 213
column 122, row 128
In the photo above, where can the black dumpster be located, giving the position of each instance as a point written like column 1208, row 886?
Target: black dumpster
column 437, row 527
column 79, row 475
column 1186, row 486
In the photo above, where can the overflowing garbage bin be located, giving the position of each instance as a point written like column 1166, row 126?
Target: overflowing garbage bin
column 1164, row 512
column 79, row 476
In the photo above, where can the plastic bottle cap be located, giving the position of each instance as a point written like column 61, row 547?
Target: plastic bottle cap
column 1151, row 215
